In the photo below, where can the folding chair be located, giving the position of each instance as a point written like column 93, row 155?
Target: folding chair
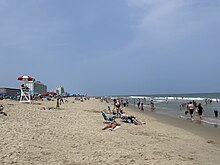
column 108, row 119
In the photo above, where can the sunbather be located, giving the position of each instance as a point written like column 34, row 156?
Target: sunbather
column 131, row 118
column 111, row 126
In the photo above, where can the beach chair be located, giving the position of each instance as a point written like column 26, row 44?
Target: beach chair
column 25, row 95
column 108, row 119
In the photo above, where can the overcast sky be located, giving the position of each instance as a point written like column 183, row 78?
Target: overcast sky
column 111, row 47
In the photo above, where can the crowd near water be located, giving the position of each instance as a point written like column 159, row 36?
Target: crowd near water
column 205, row 107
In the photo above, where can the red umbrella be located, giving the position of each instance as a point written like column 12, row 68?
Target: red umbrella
column 25, row 78
column 45, row 94
column 53, row 93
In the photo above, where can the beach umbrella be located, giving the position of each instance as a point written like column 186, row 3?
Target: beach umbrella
column 25, row 78
column 53, row 93
column 45, row 94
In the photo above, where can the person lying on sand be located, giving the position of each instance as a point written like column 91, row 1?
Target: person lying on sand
column 132, row 118
column 111, row 126
column 1, row 110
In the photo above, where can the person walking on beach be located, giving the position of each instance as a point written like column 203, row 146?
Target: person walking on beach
column 190, row 108
column 200, row 110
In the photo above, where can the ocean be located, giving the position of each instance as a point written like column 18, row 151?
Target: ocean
column 170, row 104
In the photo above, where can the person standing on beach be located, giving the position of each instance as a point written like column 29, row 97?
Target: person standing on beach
column 216, row 113
column 152, row 105
column 58, row 103
column 200, row 110
column 142, row 105
column 127, row 102
column 138, row 103
column 124, row 102
column 117, row 105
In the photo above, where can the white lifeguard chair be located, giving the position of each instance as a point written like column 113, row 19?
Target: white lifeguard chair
column 25, row 94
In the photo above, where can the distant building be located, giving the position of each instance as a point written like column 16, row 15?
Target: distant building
column 9, row 91
column 36, row 87
column 59, row 90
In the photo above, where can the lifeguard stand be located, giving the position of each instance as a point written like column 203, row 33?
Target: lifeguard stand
column 25, row 94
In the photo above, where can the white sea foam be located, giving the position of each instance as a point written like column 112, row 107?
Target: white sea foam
column 167, row 98
column 213, row 121
column 206, row 120
column 140, row 97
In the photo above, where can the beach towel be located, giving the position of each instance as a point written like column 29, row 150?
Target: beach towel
column 118, row 126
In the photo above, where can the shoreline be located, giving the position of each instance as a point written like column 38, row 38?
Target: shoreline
column 207, row 132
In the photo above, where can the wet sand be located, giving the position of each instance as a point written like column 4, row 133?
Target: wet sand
column 196, row 127
column 32, row 134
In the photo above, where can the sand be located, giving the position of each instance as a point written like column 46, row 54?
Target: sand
column 74, row 136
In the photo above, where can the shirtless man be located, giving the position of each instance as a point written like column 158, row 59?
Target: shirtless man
column 190, row 108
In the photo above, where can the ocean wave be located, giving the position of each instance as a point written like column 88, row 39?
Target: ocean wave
column 213, row 121
column 206, row 120
column 174, row 98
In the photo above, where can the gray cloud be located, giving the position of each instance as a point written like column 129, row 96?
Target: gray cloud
column 123, row 47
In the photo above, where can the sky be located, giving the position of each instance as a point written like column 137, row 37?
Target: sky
column 117, row 47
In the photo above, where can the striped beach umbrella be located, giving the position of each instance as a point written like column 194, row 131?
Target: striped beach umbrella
column 25, row 78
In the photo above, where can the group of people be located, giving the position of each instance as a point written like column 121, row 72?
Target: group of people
column 118, row 112
column 193, row 106
column 140, row 104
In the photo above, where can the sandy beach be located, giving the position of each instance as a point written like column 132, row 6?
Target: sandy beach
column 32, row 134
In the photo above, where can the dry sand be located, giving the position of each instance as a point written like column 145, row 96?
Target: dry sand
column 73, row 136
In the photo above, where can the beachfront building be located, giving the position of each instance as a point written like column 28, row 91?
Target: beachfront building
column 36, row 87
column 9, row 91
column 58, row 90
